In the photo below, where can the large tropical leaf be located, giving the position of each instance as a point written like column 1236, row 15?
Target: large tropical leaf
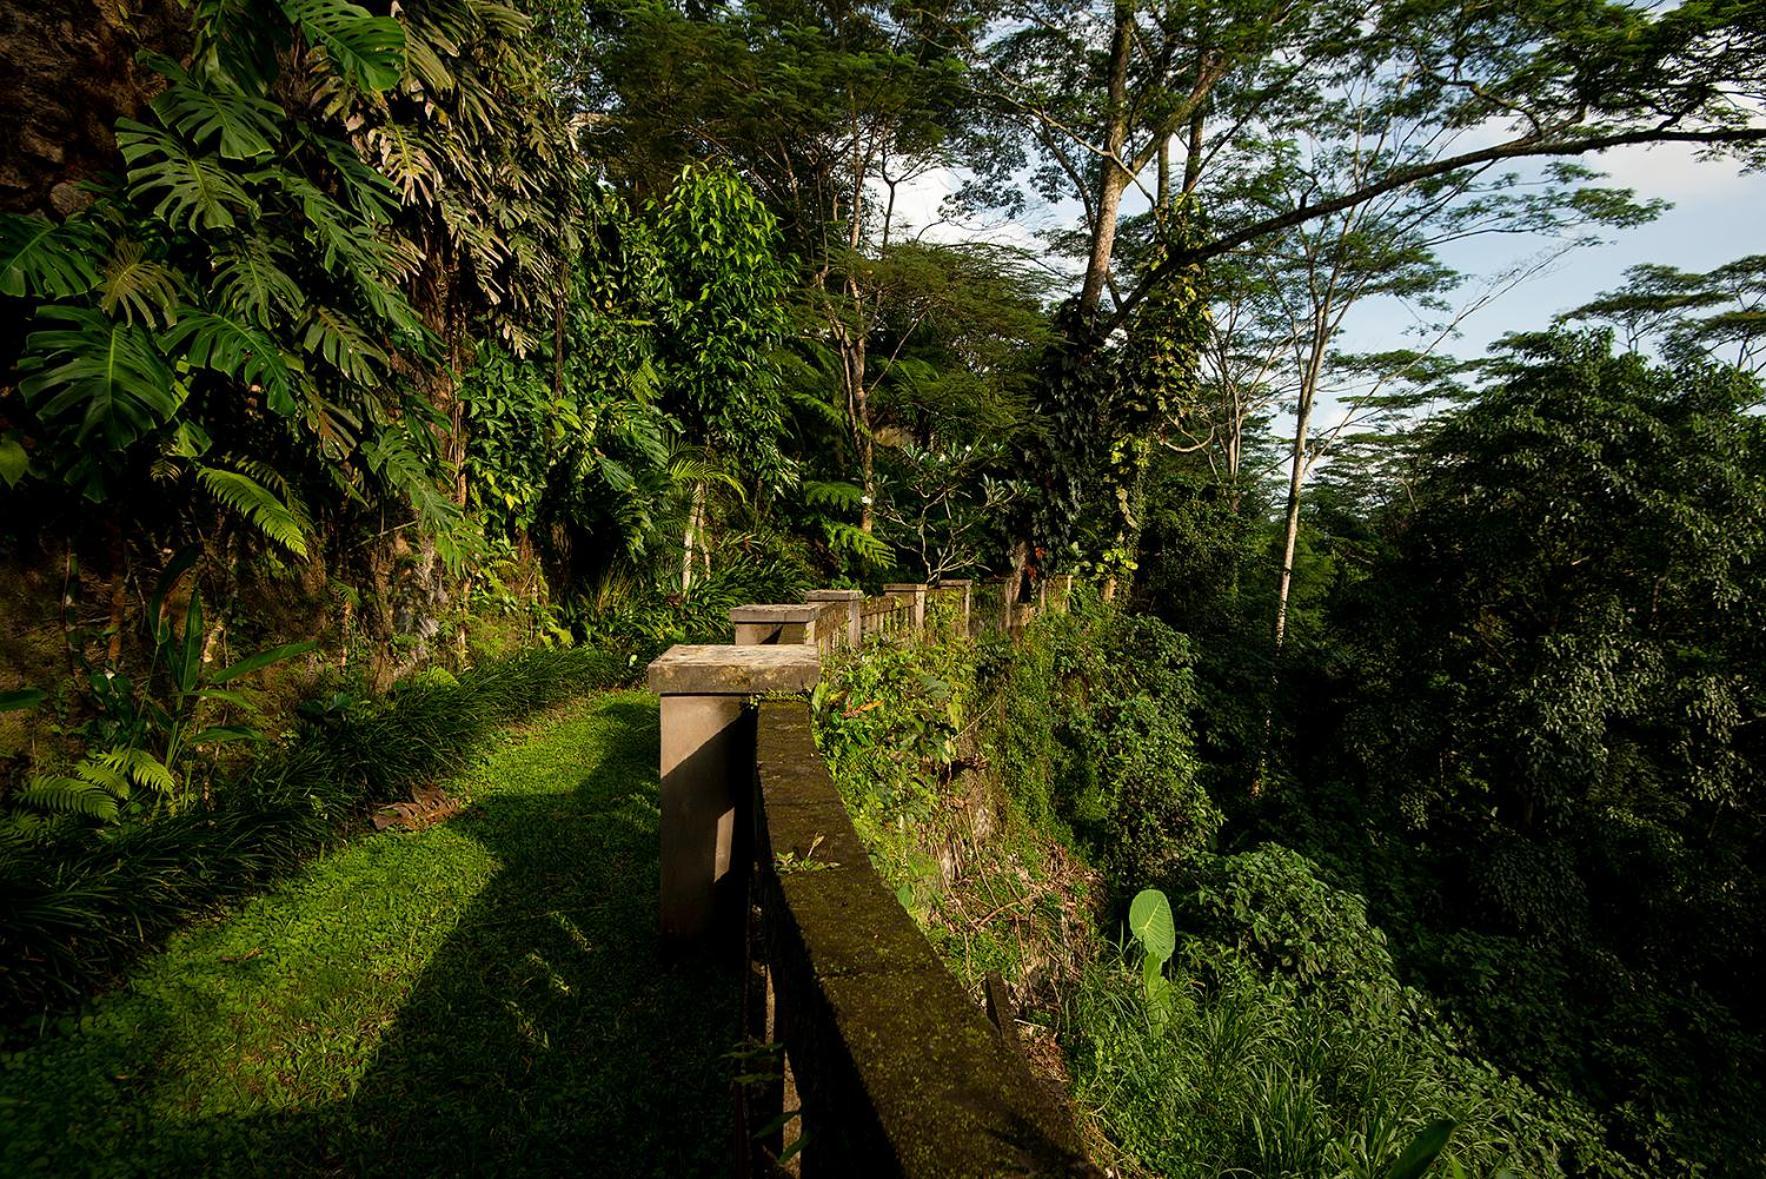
column 241, row 351
column 370, row 194
column 144, row 289
column 109, row 375
column 251, row 282
column 244, row 127
column 47, row 261
column 340, row 340
column 367, row 51
column 193, row 191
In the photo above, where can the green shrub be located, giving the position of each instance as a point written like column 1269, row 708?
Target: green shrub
column 1094, row 740
column 1285, row 1045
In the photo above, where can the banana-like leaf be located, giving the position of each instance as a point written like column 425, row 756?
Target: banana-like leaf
column 262, row 660
column 180, row 563
column 18, row 699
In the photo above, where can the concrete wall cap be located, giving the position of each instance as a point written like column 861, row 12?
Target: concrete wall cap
column 689, row 669
column 903, row 586
column 780, row 613
column 834, row 595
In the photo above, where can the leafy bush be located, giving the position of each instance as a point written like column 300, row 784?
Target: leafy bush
column 1283, row 1044
column 1094, row 738
column 76, row 905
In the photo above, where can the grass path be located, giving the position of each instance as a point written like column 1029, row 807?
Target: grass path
column 483, row 996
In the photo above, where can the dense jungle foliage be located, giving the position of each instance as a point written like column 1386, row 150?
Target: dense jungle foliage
column 374, row 376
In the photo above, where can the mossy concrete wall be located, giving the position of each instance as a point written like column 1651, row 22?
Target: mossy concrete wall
column 897, row 1072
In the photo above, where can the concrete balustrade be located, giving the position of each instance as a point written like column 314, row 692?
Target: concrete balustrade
column 894, row 1070
column 848, row 604
column 909, row 594
column 776, row 625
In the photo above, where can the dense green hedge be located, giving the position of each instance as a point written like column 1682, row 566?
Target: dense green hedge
column 75, row 908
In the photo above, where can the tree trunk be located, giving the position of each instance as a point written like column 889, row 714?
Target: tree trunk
column 1113, row 178
column 695, row 521
column 1296, row 475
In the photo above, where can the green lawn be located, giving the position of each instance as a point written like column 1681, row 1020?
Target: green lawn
column 481, row 996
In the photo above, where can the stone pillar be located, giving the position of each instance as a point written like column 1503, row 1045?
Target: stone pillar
column 757, row 625
column 708, row 777
column 911, row 592
column 853, row 601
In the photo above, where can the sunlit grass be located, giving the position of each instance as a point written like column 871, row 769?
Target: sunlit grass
column 481, row 995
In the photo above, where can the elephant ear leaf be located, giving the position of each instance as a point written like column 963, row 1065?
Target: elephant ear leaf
column 1150, row 920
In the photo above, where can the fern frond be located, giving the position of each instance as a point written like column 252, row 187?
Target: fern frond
column 58, row 794
column 819, row 493
column 257, row 503
column 48, row 261
column 866, row 546
column 140, row 768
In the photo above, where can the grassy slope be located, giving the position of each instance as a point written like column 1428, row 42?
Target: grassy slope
column 479, row 996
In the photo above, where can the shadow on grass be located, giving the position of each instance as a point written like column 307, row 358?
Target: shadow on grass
column 543, row 1036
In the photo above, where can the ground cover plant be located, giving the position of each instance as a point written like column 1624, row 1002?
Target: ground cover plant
column 474, row 996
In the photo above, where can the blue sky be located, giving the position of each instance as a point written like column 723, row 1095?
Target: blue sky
column 1719, row 215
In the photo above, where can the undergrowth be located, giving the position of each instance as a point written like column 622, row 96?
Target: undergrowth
column 77, row 902
column 1016, row 793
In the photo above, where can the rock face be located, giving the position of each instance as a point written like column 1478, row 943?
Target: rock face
column 68, row 71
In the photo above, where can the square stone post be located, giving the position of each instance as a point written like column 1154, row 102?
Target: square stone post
column 775, row 624
column 853, row 601
column 911, row 592
column 708, row 777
